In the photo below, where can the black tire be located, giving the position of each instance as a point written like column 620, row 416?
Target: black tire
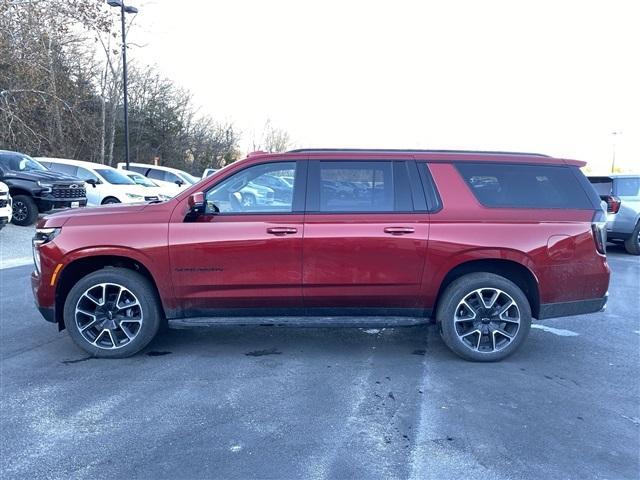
column 632, row 244
column 149, row 305
column 451, row 330
column 110, row 200
column 25, row 211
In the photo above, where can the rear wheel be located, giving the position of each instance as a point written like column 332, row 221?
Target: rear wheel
column 112, row 313
column 632, row 244
column 25, row 211
column 483, row 317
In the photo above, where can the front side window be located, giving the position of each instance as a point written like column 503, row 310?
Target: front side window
column 157, row 174
column 246, row 192
column 85, row 175
column 114, row 176
column 524, row 186
column 356, row 186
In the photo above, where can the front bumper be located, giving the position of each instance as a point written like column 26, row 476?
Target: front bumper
column 566, row 309
column 43, row 297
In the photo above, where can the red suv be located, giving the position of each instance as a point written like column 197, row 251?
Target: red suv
column 482, row 242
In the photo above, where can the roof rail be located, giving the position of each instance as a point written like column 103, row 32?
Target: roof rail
column 409, row 150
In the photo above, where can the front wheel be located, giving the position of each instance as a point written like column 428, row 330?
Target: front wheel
column 483, row 317
column 632, row 244
column 25, row 211
column 110, row 201
column 112, row 313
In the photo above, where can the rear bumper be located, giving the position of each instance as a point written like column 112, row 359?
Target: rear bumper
column 566, row 309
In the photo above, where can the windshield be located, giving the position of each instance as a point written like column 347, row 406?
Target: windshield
column 114, row 177
column 141, row 180
column 19, row 162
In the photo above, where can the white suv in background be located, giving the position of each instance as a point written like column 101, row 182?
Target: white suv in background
column 171, row 178
column 105, row 184
column 5, row 205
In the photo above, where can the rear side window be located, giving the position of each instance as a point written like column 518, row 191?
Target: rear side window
column 141, row 170
column 64, row 168
column 525, row 186
column 628, row 186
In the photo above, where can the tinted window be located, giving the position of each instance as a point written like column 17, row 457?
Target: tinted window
column 84, row 174
column 172, row 177
column 113, row 176
column 356, row 187
column 525, row 186
column 64, row 168
column 245, row 191
column 141, row 170
column 156, row 174
column 602, row 185
column 628, row 187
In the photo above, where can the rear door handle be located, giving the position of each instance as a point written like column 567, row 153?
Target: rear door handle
column 399, row 230
column 282, row 230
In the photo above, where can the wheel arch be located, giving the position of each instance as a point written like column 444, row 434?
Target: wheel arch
column 109, row 197
column 512, row 270
column 83, row 266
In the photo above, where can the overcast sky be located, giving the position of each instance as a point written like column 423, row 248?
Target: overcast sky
column 555, row 77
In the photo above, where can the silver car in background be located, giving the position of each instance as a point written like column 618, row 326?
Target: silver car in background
column 622, row 194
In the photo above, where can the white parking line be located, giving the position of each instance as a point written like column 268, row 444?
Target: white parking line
column 555, row 331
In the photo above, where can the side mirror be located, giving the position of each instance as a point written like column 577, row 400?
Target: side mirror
column 92, row 182
column 196, row 203
column 179, row 183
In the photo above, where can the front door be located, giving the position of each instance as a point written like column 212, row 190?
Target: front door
column 365, row 243
column 244, row 255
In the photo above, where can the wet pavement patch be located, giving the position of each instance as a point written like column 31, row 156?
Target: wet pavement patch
column 419, row 352
column 261, row 353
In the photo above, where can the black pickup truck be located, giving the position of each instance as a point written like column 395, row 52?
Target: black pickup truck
column 35, row 189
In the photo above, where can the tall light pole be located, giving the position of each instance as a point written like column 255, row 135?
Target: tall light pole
column 615, row 135
column 124, row 9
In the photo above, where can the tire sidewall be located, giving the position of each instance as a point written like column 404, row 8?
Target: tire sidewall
column 632, row 244
column 461, row 288
column 145, row 294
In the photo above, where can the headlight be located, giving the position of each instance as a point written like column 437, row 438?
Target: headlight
column 46, row 186
column 42, row 236
column 135, row 196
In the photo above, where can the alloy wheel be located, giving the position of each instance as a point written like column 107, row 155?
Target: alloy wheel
column 108, row 316
column 487, row 320
column 20, row 211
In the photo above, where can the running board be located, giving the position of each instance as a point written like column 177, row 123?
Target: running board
column 315, row 322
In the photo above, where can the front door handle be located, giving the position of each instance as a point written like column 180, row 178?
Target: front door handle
column 282, row 230
column 399, row 230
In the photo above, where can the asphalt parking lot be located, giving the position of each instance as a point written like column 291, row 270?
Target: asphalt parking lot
column 320, row 403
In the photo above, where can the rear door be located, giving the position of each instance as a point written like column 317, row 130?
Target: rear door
column 245, row 258
column 366, row 232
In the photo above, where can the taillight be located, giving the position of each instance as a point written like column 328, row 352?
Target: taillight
column 599, row 231
column 613, row 203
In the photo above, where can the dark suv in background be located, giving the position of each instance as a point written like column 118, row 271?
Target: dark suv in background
column 481, row 242
column 622, row 194
column 35, row 189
